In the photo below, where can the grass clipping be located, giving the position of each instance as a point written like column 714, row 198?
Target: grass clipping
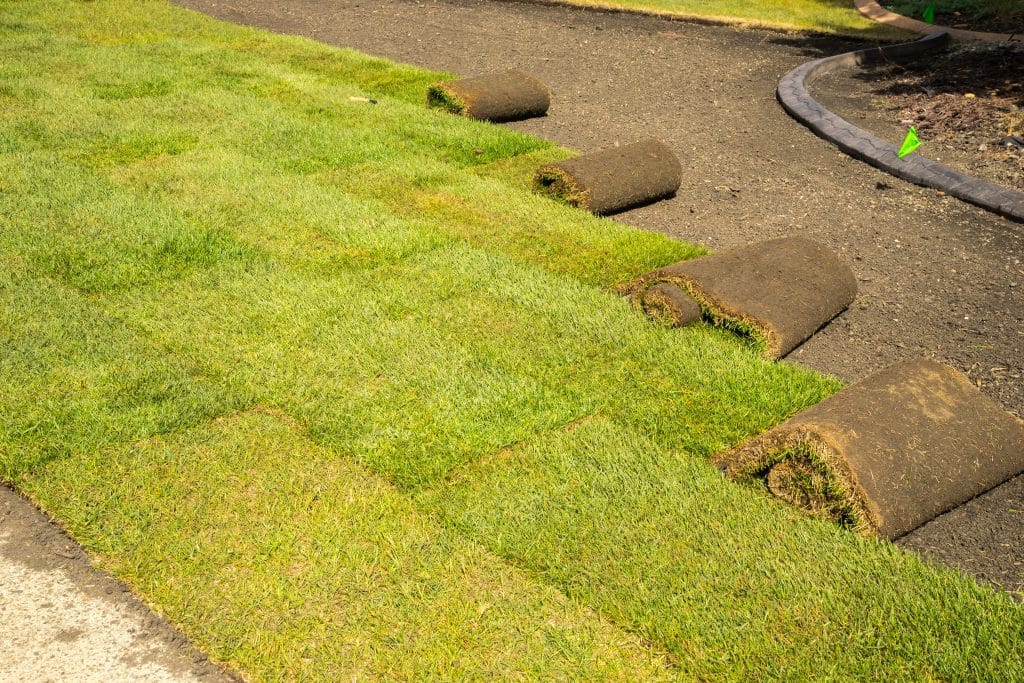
column 778, row 292
column 888, row 454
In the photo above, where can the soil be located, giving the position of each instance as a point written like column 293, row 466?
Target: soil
column 937, row 277
column 77, row 621
column 967, row 106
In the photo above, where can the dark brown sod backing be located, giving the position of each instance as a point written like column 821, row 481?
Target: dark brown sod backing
column 508, row 96
column 889, row 453
column 780, row 291
column 613, row 179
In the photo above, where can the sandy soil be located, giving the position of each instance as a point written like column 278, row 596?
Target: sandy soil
column 937, row 277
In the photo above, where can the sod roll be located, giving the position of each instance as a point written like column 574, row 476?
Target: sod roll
column 780, row 291
column 672, row 303
column 613, row 179
column 505, row 96
column 889, row 453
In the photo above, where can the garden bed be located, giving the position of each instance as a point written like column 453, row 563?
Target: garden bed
column 992, row 16
column 967, row 106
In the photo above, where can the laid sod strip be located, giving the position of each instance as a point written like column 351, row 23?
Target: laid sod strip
column 74, row 379
column 95, row 236
column 736, row 586
column 290, row 563
column 889, row 453
column 780, row 291
column 423, row 365
column 508, row 96
column 253, row 236
column 613, row 179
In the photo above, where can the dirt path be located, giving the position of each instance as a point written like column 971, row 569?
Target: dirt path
column 63, row 620
column 937, row 276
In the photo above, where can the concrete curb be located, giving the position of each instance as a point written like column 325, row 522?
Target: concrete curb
column 860, row 144
column 872, row 10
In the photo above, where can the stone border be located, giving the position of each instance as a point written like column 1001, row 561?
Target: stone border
column 872, row 10
column 860, row 144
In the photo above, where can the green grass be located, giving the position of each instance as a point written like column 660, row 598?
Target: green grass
column 326, row 573
column 333, row 390
column 825, row 16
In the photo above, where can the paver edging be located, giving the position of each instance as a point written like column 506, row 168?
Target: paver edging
column 872, row 10
column 860, row 144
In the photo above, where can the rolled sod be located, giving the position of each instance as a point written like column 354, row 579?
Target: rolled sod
column 780, row 291
column 889, row 453
column 672, row 303
column 505, row 96
column 613, row 179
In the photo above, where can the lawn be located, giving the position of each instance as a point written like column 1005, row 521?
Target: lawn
column 826, row 16
column 325, row 384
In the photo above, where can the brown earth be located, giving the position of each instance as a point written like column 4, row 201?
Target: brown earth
column 967, row 106
column 937, row 277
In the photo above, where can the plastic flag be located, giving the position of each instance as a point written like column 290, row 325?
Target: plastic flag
column 910, row 143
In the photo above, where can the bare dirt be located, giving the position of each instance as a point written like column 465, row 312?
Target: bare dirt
column 61, row 619
column 937, row 277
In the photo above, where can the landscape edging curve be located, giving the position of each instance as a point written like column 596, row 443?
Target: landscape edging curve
column 872, row 10
column 860, row 144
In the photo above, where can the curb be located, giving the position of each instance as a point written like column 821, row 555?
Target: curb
column 872, row 10
column 860, row 144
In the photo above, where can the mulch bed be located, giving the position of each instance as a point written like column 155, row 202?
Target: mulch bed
column 967, row 17
column 969, row 100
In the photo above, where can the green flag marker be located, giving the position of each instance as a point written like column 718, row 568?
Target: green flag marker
column 929, row 14
column 910, row 143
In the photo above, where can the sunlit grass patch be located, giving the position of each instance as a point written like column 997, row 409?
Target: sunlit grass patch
column 288, row 562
